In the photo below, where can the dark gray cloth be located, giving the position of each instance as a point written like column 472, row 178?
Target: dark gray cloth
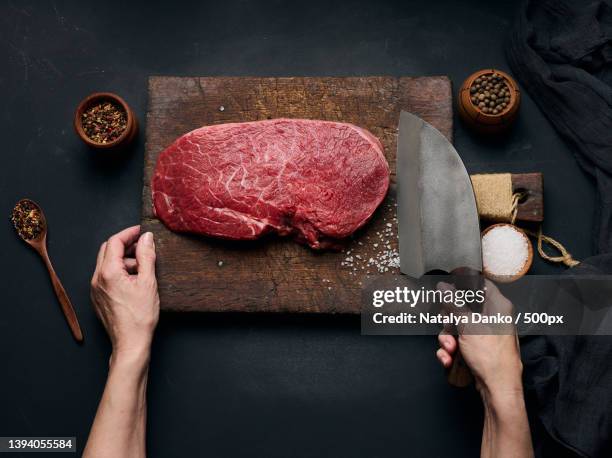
column 568, row 386
column 561, row 53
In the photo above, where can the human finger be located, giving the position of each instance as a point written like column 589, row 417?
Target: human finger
column 115, row 249
column 444, row 358
column 145, row 255
column 131, row 265
column 99, row 260
column 447, row 342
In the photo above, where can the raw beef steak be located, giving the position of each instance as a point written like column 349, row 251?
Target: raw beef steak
column 317, row 180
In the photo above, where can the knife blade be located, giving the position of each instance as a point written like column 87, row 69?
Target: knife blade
column 438, row 222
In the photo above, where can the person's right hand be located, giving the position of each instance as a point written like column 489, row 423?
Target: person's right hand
column 124, row 291
column 493, row 359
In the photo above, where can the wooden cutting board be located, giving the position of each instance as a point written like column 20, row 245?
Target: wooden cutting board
column 276, row 274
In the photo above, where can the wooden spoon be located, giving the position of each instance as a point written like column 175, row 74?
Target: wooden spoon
column 39, row 243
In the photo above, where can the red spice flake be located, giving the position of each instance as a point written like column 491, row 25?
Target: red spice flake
column 104, row 122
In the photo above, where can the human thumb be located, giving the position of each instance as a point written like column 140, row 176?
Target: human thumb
column 145, row 255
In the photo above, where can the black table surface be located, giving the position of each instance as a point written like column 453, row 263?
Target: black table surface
column 233, row 385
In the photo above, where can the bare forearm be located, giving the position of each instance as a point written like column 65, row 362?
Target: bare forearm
column 120, row 424
column 506, row 428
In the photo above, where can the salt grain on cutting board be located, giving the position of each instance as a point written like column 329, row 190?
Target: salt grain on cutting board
column 505, row 251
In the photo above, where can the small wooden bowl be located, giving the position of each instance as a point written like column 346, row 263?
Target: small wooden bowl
column 483, row 122
column 126, row 137
column 526, row 266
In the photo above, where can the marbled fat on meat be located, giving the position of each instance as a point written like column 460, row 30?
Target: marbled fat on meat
column 317, row 180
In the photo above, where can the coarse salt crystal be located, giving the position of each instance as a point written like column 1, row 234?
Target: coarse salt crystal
column 505, row 251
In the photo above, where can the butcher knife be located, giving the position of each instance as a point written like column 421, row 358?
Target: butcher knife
column 438, row 221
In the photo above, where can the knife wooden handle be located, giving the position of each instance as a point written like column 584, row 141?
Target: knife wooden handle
column 459, row 374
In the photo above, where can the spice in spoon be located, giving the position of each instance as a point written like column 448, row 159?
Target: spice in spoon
column 104, row 122
column 27, row 219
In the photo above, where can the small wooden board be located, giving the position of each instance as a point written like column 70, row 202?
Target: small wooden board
column 531, row 207
column 276, row 274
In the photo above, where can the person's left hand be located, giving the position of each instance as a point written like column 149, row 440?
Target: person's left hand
column 124, row 291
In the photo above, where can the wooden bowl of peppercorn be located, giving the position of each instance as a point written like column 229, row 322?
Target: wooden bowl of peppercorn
column 488, row 101
column 104, row 121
